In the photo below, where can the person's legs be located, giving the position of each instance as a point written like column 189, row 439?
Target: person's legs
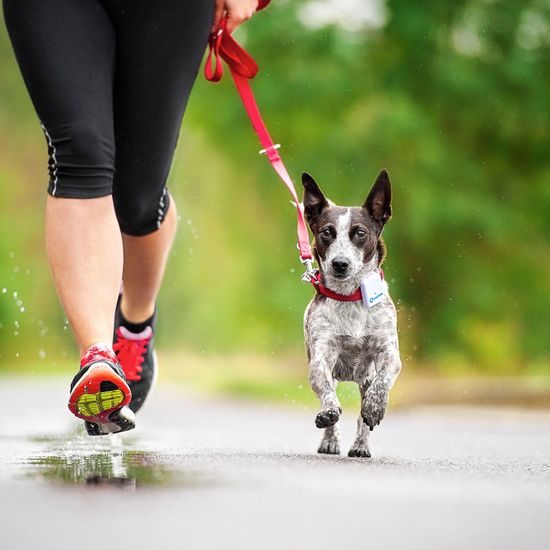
column 65, row 49
column 159, row 50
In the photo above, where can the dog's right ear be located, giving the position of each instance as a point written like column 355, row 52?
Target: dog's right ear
column 314, row 200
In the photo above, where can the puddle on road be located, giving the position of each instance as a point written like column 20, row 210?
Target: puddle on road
column 111, row 462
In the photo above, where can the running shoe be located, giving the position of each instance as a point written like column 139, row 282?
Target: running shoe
column 100, row 394
column 136, row 355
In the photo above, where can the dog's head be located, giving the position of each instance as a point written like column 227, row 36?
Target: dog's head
column 347, row 240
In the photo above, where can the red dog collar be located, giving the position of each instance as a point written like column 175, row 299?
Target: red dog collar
column 322, row 289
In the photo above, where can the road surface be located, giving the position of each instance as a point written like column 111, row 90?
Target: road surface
column 202, row 472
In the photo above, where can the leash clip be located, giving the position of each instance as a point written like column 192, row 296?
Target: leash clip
column 309, row 273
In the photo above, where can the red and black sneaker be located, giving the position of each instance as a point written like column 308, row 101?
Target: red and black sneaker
column 133, row 345
column 100, row 394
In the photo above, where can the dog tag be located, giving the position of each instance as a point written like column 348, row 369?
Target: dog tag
column 372, row 289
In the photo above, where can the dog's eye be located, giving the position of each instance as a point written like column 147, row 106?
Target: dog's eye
column 361, row 233
column 326, row 234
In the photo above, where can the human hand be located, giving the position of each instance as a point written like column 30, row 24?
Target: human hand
column 237, row 11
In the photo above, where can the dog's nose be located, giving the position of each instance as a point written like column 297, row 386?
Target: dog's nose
column 340, row 265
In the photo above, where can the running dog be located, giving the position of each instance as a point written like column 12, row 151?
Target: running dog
column 350, row 325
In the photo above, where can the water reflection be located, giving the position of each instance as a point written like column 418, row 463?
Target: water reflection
column 107, row 463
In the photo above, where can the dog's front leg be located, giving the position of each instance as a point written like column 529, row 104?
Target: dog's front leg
column 375, row 402
column 321, row 380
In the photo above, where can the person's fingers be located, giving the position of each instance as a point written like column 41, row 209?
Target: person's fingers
column 218, row 14
column 235, row 18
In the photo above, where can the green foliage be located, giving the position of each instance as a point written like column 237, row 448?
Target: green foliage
column 450, row 96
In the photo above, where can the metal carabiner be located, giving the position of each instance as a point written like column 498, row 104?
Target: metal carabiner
column 309, row 273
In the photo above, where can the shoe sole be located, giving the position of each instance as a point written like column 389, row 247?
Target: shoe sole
column 99, row 395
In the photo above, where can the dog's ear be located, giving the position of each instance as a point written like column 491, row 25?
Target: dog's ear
column 378, row 202
column 314, row 200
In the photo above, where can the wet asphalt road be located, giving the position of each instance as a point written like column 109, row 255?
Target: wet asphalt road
column 202, row 473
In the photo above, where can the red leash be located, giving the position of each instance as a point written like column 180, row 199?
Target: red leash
column 243, row 68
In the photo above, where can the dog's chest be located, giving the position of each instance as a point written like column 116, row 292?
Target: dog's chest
column 351, row 333
column 351, row 320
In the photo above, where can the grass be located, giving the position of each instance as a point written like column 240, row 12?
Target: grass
column 282, row 378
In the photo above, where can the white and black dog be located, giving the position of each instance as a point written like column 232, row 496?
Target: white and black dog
column 350, row 340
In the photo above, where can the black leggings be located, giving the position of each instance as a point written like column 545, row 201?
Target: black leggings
column 109, row 80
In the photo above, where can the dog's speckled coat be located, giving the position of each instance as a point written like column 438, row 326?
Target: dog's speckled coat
column 346, row 340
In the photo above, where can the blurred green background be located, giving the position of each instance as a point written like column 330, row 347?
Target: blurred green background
column 451, row 96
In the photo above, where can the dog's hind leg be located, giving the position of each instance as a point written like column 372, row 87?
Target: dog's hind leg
column 360, row 447
column 330, row 444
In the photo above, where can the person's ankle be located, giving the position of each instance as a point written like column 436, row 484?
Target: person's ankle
column 136, row 315
column 95, row 351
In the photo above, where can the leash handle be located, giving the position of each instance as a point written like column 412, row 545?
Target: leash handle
column 222, row 46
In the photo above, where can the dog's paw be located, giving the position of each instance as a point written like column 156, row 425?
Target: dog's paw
column 329, row 446
column 327, row 418
column 374, row 406
column 359, row 451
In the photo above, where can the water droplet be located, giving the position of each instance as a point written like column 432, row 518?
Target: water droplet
column 42, row 354
column 4, row 290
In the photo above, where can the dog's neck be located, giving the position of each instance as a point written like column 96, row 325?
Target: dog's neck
column 349, row 286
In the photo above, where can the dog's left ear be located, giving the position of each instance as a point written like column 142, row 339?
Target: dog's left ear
column 378, row 202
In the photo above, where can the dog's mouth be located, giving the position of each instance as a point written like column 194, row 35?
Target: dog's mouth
column 341, row 276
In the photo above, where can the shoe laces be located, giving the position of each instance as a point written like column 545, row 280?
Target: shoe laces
column 130, row 350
